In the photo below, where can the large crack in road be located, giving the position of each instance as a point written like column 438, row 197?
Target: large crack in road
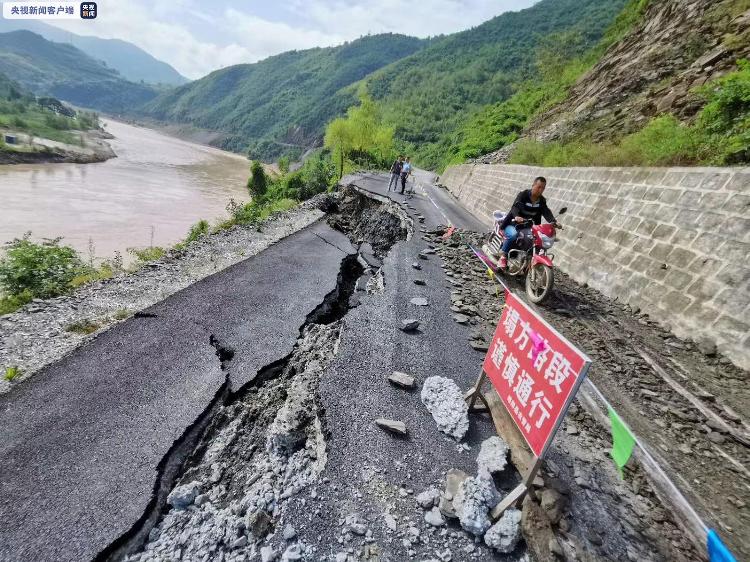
column 256, row 447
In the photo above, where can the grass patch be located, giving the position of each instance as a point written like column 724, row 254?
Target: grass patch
column 12, row 303
column 121, row 314
column 146, row 255
column 83, row 327
column 719, row 136
column 11, row 373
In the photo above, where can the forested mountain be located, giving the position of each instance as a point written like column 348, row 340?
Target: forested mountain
column 11, row 90
column 132, row 62
column 284, row 100
column 428, row 95
column 65, row 72
column 426, row 89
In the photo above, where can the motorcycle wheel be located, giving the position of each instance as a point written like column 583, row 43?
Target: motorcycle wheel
column 539, row 282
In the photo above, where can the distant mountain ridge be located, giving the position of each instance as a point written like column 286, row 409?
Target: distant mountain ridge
column 65, row 72
column 132, row 62
column 426, row 88
column 283, row 100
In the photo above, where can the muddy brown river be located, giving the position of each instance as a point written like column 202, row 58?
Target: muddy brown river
column 152, row 193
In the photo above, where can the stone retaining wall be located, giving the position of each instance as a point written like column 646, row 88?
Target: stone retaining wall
column 674, row 242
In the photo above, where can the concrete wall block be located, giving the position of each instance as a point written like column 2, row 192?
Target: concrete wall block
column 692, row 179
column 652, row 211
column 669, row 196
column 681, row 257
column 703, row 289
column 656, row 177
column 660, row 251
column 672, row 178
column 646, row 227
column 715, row 181
column 684, row 236
column 678, row 279
column 740, row 183
column 734, row 251
column 653, row 193
column 732, row 329
column 738, row 205
column 663, row 231
column 675, row 302
column 734, row 274
column 690, row 200
column 736, row 228
column 714, row 200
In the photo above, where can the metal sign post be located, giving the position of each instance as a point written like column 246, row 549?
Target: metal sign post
column 536, row 373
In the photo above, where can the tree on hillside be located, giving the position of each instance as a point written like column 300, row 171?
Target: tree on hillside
column 361, row 135
column 338, row 140
column 258, row 181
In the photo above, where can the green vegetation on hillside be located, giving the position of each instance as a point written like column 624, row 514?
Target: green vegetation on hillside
column 281, row 104
column 720, row 135
column 560, row 60
column 46, row 118
column 360, row 139
column 65, row 72
column 429, row 96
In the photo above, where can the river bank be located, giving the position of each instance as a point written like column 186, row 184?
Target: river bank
column 149, row 195
column 34, row 150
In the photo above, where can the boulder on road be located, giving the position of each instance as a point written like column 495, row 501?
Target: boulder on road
column 504, row 535
column 444, row 400
column 393, row 426
column 472, row 503
column 493, row 457
column 409, row 324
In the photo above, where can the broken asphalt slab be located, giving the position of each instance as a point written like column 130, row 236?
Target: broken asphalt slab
column 85, row 441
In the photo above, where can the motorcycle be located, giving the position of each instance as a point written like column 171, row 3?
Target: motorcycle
column 529, row 256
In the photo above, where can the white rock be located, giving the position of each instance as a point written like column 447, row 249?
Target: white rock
column 428, row 498
column 289, row 533
column 492, row 458
column 293, row 552
column 184, row 496
column 390, row 522
column 504, row 535
column 472, row 503
column 434, row 517
column 268, row 554
column 444, row 400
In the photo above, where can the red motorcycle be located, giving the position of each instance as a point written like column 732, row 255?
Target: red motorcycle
column 529, row 256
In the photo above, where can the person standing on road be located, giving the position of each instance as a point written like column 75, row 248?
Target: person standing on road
column 405, row 173
column 529, row 205
column 396, row 173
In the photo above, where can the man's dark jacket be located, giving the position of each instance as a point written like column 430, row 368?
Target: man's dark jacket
column 523, row 207
column 396, row 168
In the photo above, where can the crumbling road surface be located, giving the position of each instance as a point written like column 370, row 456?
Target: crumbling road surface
column 86, row 441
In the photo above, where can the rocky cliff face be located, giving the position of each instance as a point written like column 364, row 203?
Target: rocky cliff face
column 677, row 46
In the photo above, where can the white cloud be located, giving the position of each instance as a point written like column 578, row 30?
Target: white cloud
column 197, row 38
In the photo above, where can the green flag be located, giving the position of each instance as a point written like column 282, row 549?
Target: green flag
column 622, row 441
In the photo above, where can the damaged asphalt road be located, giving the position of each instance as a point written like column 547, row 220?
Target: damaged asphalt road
column 85, row 440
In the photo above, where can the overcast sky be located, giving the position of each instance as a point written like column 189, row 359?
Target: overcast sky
column 198, row 36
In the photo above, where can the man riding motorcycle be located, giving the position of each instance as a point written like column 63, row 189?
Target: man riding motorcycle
column 529, row 205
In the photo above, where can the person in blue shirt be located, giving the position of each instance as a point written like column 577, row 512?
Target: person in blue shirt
column 406, row 171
